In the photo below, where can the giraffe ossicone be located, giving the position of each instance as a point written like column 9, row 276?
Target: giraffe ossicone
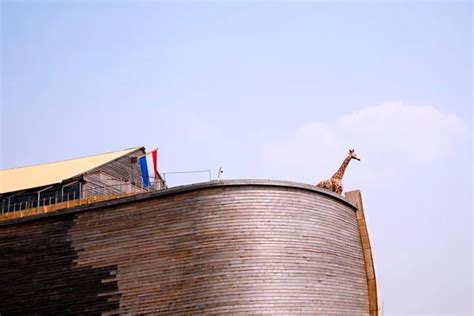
column 335, row 182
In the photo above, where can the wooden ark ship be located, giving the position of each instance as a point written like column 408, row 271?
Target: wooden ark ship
column 116, row 246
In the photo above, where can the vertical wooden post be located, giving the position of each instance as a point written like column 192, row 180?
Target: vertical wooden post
column 356, row 198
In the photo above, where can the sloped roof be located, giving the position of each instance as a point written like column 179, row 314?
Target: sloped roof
column 55, row 172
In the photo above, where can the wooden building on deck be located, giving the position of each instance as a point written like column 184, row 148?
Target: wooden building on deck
column 108, row 174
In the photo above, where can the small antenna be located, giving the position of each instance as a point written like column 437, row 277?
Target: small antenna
column 221, row 170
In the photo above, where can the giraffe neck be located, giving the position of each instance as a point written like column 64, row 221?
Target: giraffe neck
column 340, row 172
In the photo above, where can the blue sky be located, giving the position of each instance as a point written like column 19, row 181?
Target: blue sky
column 268, row 90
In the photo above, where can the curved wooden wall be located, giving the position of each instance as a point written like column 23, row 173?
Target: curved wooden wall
column 217, row 248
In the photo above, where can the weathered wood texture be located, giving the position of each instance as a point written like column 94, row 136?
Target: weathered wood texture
column 356, row 197
column 38, row 276
column 122, row 168
column 115, row 177
column 222, row 248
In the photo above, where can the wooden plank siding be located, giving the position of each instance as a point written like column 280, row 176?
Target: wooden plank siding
column 122, row 168
column 224, row 247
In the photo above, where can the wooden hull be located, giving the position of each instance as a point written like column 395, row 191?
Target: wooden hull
column 242, row 246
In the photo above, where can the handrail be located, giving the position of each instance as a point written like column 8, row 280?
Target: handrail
column 208, row 171
column 60, row 206
column 98, row 188
column 119, row 187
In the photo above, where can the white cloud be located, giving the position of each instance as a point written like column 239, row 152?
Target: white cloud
column 386, row 135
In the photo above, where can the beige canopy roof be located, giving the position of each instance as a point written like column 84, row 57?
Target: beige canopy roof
column 50, row 173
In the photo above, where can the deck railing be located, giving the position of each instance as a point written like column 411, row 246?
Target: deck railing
column 94, row 191
column 59, row 206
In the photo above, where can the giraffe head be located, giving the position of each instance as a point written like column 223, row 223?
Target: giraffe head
column 353, row 154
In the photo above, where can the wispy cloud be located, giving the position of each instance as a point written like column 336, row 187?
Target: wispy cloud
column 390, row 134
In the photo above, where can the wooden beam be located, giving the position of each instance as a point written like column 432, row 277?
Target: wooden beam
column 146, row 154
column 356, row 198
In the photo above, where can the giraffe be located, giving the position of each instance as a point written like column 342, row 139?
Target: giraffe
column 335, row 182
